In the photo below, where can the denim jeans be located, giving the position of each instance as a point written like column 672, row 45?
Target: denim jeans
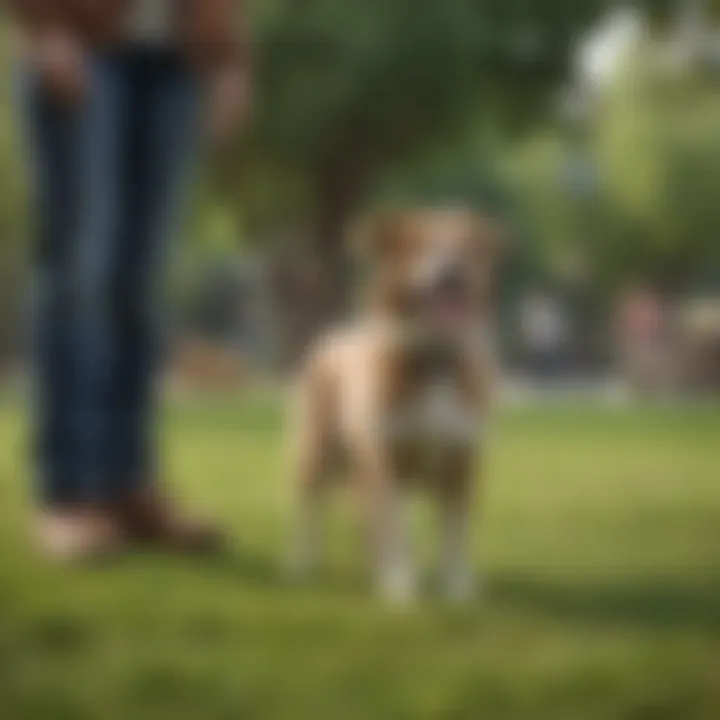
column 108, row 179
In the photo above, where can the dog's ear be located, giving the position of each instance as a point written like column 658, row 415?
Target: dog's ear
column 377, row 237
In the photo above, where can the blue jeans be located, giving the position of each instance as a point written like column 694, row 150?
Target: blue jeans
column 108, row 181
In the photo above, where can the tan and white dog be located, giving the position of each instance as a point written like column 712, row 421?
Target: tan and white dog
column 396, row 399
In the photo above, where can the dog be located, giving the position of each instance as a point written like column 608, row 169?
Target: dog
column 396, row 398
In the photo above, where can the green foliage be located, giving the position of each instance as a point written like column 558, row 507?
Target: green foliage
column 648, row 208
column 375, row 101
column 658, row 151
column 349, row 90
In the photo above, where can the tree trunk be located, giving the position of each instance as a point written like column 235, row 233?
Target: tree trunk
column 311, row 285
column 339, row 190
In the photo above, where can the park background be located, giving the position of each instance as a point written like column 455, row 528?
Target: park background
column 591, row 129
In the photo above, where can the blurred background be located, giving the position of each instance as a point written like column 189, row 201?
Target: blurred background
column 592, row 130
column 589, row 128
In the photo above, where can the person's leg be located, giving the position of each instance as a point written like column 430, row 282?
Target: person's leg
column 103, row 124
column 52, row 140
column 159, row 152
column 74, row 153
column 159, row 149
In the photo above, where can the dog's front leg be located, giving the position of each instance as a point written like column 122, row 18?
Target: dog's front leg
column 456, row 573
column 385, row 507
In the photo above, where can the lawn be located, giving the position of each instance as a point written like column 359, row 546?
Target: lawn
column 601, row 548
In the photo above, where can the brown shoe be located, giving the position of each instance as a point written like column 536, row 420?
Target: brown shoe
column 79, row 534
column 151, row 519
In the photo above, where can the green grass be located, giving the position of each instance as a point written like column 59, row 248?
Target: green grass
column 601, row 547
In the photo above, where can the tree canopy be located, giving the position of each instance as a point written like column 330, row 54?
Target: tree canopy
column 348, row 90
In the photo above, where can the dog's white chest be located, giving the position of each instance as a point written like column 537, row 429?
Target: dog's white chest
column 437, row 416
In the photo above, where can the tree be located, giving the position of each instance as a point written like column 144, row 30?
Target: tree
column 350, row 91
column 632, row 194
column 658, row 151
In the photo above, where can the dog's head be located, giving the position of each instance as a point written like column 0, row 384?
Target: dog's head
column 431, row 267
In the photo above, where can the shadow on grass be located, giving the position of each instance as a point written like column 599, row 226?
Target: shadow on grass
column 652, row 603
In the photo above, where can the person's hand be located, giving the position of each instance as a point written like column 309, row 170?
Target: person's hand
column 229, row 103
column 60, row 61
